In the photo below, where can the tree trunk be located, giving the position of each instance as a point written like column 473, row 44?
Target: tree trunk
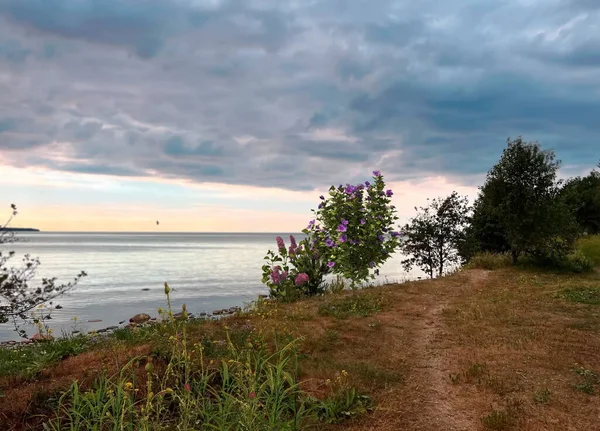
column 515, row 255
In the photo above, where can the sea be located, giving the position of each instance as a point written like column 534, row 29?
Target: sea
column 127, row 272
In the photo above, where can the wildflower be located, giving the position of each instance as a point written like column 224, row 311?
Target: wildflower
column 342, row 228
column 167, row 289
column 280, row 243
column 321, row 205
column 128, row 386
column 344, row 373
column 381, row 238
column 301, row 279
column 389, row 193
column 252, row 395
column 371, row 264
column 187, row 388
column 293, row 243
column 331, row 264
column 394, row 234
column 343, row 238
column 367, row 183
column 376, row 173
column 345, row 222
column 322, row 197
column 362, row 221
column 329, row 242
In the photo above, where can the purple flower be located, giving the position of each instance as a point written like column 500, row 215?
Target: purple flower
column 381, row 238
column 394, row 234
column 343, row 238
column 376, row 173
column 311, row 223
column 291, row 250
column 280, row 243
column 331, row 264
column 350, row 189
column 321, row 205
column 371, row 264
column 367, row 183
column 342, row 228
column 389, row 193
column 329, row 242
column 276, row 276
column 360, row 187
column 293, row 243
column 322, row 197
column 345, row 222
column 362, row 221
column 301, row 279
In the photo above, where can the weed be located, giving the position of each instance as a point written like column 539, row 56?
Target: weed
column 589, row 380
column 542, row 396
column 351, row 305
column 505, row 418
column 581, row 295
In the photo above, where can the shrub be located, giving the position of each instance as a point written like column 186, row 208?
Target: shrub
column 354, row 229
column 589, row 246
column 488, row 260
column 294, row 271
column 578, row 262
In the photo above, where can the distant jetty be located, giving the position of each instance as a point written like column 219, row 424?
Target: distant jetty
column 19, row 229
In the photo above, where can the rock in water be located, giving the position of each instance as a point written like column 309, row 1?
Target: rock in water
column 140, row 318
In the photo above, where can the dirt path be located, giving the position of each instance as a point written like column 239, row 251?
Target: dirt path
column 427, row 400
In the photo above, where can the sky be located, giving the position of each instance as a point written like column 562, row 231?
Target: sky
column 235, row 115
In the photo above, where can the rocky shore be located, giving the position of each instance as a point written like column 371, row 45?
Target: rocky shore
column 139, row 320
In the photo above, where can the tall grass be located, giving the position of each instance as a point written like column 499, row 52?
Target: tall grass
column 590, row 247
column 252, row 384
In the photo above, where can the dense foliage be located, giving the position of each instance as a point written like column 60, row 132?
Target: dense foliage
column 582, row 196
column 293, row 271
column 354, row 229
column 518, row 208
column 17, row 296
column 434, row 235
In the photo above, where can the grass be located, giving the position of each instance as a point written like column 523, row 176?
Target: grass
column 362, row 305
column 590, row 247
column 490, row 261
column 582, row 295
column 28, row 361
column 480, row 348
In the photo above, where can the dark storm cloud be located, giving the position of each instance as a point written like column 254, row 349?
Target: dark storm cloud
column 294, row 94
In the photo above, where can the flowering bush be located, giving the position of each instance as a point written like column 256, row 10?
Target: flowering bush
column 354, row 228
column 293, row 271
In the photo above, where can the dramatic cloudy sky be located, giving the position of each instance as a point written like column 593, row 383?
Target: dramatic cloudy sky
column 236, row 114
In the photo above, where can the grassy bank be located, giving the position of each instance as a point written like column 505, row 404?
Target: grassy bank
column 504, row 349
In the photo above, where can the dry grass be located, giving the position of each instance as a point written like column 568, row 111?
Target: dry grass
column 477, row 350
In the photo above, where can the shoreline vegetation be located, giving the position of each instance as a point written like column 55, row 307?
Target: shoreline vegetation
column 469, row 346
column 502, row 336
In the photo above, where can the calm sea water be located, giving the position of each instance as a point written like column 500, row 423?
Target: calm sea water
column 207, row 271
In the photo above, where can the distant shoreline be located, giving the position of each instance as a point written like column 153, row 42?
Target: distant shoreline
column 19, row 229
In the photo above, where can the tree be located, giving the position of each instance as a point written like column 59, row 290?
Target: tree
column 434, row 235
column 582, row 196
column 518, row 207
column 17, row 296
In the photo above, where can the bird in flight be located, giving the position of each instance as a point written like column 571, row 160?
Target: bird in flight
column 157, row 222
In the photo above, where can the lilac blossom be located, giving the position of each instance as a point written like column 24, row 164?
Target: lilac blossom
column 381, row 238
column 329, row 242
column 342, row 228
column 362, row 221
column 293, row 243
column 345, row 222
column 376, row 173
column 371, row 264
column 301, row 279
column 389, row 193
column 343, row 238
column 280, row 243
column 322, row 197
column 367, row 183
column 331, row 264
